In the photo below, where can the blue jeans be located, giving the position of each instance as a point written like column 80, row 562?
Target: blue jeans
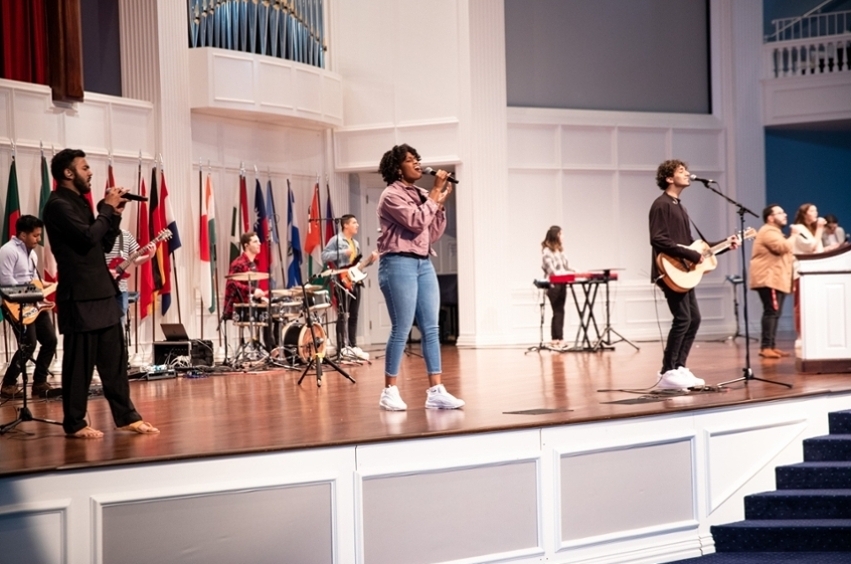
column 410, row 290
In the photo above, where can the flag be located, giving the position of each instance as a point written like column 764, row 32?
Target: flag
column 155, row 225
column 274, row 240
column 170, row 245
column 110, row 181
column 243, row 204
column 207, row 246
column 145, row 281
column 313, row 239
column 329, row 216
column 235, row 224
column 261, row 227
column 13, row 204
column 48, row 262
column 294, row 246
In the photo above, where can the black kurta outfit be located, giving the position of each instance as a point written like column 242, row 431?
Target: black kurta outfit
column 89, row 315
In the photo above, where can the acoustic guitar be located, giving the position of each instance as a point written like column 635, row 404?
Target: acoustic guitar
column 118, row 266
column 30, row 311
column 681, row 275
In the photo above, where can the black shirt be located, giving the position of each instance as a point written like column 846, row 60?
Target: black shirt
column 669, row 229
column 86, row 293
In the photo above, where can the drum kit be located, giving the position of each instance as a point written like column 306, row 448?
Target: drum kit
column 293, row 313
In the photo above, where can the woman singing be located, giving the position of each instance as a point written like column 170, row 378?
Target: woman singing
column 554, row 262
column 411, row 219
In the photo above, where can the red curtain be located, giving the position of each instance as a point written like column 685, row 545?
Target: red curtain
column 24, row 41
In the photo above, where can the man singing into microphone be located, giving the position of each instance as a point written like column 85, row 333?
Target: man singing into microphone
column 89, row 316
column 670, row 233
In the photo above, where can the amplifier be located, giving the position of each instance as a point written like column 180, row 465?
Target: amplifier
column 200, row 352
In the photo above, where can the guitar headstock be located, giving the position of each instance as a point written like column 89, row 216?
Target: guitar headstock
column 749, row 233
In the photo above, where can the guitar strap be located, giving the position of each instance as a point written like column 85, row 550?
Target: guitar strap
column 696, row 229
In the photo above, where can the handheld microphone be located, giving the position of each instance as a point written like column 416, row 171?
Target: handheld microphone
column 431, row 171
column 704, row 180
column 134, row 197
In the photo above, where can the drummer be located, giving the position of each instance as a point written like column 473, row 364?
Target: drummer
column 238, row 292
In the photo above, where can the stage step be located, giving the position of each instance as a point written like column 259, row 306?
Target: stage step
column 827, row 448
column 787, row 535
column 799, row 504
column 813, row 475
column 839, row 422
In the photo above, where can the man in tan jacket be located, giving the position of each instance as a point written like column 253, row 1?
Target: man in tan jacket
column 771, row 274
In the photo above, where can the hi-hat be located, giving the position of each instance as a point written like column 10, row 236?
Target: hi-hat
column 284, row 292
column 248, row 276
column 309, row 288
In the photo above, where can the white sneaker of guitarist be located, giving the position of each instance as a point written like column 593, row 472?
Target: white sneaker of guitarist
column 676, row 252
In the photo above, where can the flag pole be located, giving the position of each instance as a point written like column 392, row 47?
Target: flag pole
column 278, row 231
column 214, row 259
column 200, row 207
column 136, row 266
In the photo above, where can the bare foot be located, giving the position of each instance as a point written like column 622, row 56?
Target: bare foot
column 141, row 427
column 86, row 433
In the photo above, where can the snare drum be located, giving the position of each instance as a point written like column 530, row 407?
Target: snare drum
column 298, row 341
column 250, row 314
column 284, row 309
column 320, row 299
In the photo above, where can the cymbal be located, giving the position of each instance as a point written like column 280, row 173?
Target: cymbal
column 285, row 292
column 248, row 276
column 309, row 288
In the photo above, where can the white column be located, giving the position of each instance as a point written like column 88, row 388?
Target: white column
column 484, row 199
column 155, row 67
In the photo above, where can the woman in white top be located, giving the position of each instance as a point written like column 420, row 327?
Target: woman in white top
column 809, row 228
column 554, row 262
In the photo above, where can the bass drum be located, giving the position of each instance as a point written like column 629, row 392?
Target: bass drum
column 298, row 341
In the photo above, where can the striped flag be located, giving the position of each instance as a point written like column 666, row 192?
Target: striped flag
column 261, row 227
column 294, row 246
column 274, row 239
column 48, row 261
column 329, row 216
column 169, row 246
column 313, row 239
column 207, row 246
column 145, row 281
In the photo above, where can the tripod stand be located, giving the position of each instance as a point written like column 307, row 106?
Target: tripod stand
column 747, row 371
column 542, row 286
column 317, row 357
column 605, row 341
column 24, row 413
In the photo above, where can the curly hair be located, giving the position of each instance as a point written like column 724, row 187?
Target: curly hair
column 391, row 163
column 551, row 240
column 801, row 217
column 667, row 170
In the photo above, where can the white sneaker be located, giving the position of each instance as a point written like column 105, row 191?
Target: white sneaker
column 439, row 398
column 360, row 353
column 391, row 400
column 673, row 380
column 696, row 382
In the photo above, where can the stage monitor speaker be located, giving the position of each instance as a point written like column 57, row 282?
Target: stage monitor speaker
column 200, row 352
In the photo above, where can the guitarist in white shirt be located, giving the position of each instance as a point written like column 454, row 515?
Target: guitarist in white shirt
column 125, row 245
column 343, row 251
column 18, row 266
column 670, row 233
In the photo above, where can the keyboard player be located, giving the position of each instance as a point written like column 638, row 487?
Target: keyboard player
column 554, row 262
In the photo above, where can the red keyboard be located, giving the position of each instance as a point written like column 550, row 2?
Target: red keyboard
column 573, row 277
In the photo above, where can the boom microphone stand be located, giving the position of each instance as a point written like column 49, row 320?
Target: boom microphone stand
column 24, row 413
column 747, row 372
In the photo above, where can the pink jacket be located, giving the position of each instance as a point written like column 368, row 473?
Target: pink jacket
column 407, row 224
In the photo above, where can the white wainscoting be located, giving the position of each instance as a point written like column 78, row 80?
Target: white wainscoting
column 632, row 490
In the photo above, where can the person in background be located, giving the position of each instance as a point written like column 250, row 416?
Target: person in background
column 553, row 261
column 833, row 236
column 772, row 263
column 18, row 266
column 411, row 220
column 125, row 245
column 807, row 229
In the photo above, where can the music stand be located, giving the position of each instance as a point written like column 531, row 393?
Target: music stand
column 605, row 341
column 543, row 285
column 317, row 357
column 747, row 371
column 735, row 280
column 26, row 295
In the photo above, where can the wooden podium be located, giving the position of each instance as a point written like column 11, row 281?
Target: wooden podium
column 825, row 298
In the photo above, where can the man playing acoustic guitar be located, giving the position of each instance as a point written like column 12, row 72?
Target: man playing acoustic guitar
column 343, row 251
column 670, row 233
column 18, row 266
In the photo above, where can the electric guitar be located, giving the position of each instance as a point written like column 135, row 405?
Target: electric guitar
column 118, row 266
column 353, row 274
column 30, row 311
column 681, row 275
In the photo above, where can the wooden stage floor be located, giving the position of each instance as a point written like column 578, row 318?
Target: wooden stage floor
column 238, row 413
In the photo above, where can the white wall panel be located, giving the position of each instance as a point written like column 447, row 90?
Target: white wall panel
column 35, row 118
column 5, row 113
column 639, row 147
column 584, row 147
column 34, row 533
column 132, row 130
column 231, row 78
column 533, row 146
column 274, row 80
column 534, row 210
column 362, row 149
column 89, row 127
column 702, row 149
column 636, row 191
column 590, row 234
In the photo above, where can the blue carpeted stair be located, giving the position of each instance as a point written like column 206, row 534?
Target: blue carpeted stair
column 808, row 518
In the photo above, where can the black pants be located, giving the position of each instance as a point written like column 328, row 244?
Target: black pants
column 104, row 348
column 770, row 315
column 350, row 304
column 557, row 293
column 42, row 331
column 683, row 328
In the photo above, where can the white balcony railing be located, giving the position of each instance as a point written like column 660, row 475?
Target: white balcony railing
column 810, row 25
column 810, row 56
